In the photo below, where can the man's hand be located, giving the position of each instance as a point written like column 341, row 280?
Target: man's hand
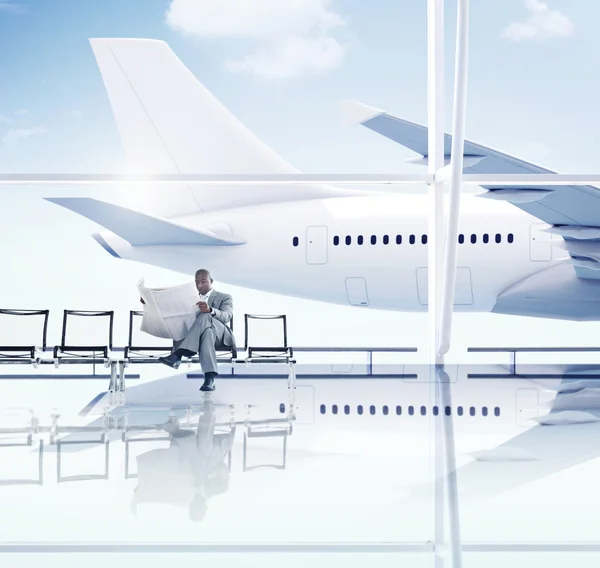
column 204, row 307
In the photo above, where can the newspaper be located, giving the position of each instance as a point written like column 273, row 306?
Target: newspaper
column 169, row 312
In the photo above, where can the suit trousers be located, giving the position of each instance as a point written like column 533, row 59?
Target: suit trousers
column 205, row 335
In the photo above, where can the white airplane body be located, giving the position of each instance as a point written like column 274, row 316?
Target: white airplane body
column 390, row 276
column 324, row 243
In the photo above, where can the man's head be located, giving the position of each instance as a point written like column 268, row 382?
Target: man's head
column 203, row 281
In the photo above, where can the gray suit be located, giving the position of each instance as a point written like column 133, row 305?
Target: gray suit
column 210, row 332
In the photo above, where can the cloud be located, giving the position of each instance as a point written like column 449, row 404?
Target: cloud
column 288, row 38
column 5, row 119
column 76, row 113
column 11, row 7
column 15, row 134
column 21, row 112
column 542, row 23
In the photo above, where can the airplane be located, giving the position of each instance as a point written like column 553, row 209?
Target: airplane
column 529, row 252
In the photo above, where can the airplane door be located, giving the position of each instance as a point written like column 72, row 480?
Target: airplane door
column 527, row 406
column 356, row 290
column 463, row 290
column 540, row 243
column 316, row 245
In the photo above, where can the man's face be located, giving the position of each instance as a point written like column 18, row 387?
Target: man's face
column 203, row 283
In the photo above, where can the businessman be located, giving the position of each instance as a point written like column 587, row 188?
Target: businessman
column 208, row 333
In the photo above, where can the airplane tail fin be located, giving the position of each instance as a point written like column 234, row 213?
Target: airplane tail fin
column 169, row 123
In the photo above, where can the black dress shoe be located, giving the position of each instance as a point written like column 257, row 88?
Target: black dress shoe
column 171, row 361
column 209, row 382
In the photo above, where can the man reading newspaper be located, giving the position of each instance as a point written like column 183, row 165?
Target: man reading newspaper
column 196, row 320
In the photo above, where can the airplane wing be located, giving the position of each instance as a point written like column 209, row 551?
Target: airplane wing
column 572, row 211
column 140, row 229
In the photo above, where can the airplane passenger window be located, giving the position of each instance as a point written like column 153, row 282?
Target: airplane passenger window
column 412, row 239
column 373, row 240
column 423, row 411
column 295, row 241
column 472, row 411
column 436, row 410
column 359, row 409
column 386, row 239
column 448, row 411
column 359, row 240
column 511, row 237
column 282, row 408
column 346, row 409
column 398, row 239
column 459, row 410
column 348, row 240
column 411, row 410
column 398, row 410
column 322, row 409
column 336, row 241
column 473, row 239
column 486, row 238
column 334, row 409
column 372, row 410
column 498, row 237
column 497, row 411
column 424, row 239
column 484, row 411
column 461, row 239
column 385, row 410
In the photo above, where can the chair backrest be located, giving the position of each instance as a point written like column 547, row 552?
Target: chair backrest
column 92, row 334
column 26, row 328
column 265, row 332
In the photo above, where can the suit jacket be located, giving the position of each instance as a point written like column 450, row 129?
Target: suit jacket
column 222, row 304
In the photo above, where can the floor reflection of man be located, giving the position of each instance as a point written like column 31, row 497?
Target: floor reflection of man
column 190, row 471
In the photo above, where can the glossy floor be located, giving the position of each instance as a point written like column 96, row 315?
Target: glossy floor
column 331, row 467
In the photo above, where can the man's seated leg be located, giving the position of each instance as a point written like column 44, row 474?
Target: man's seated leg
column 188, row 346
column 208, row 359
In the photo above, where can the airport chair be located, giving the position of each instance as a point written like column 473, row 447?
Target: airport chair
column 23, row 352
column 74, row 352
column 272, row 347
column 138, row 352
column 272, row 350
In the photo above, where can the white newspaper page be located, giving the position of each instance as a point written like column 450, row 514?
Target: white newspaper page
column 169, row 312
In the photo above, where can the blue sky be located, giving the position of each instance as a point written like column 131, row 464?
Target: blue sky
column 281, row 66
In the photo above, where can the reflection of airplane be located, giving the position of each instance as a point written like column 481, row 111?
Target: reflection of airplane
column 498, row 442
column 321, row 242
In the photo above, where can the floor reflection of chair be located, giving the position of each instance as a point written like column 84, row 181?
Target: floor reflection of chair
column 28, row 441
column 267, row 428
column 127, row 440
column 56, row 430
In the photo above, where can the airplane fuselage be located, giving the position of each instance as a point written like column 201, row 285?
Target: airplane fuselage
column 363, row 251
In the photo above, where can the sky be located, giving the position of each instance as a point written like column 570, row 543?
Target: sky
column 282, row 67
